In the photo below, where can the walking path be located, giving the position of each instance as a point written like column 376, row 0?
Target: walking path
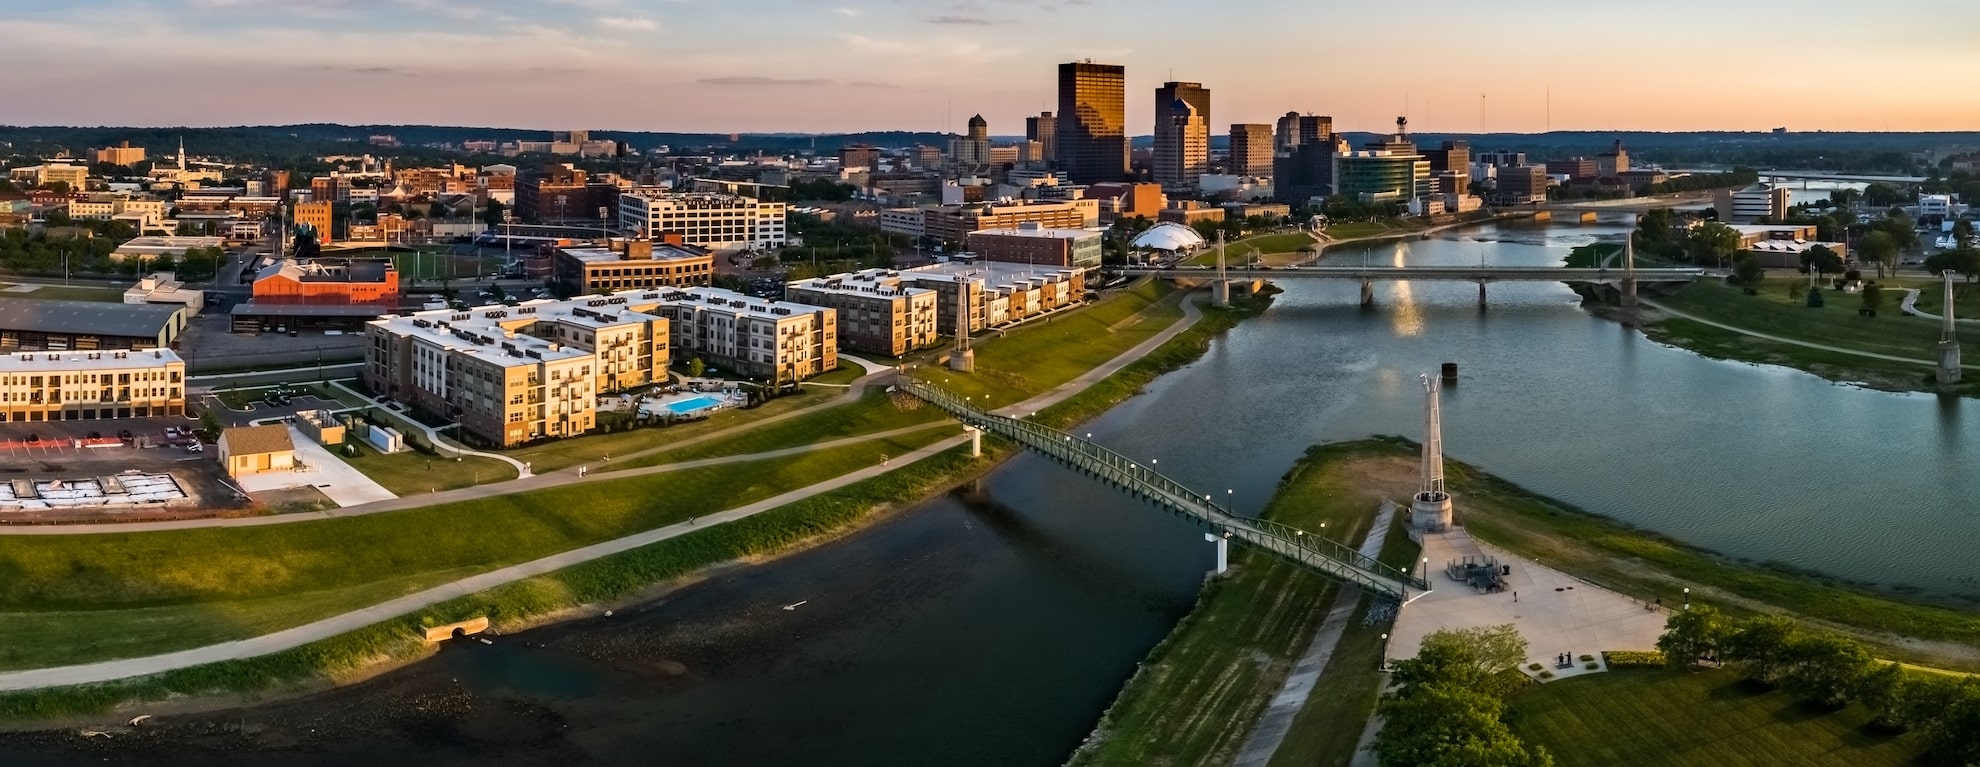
column 1791, row 341
column 1278, row 717
column 287, row 639
column 433, row 433
column 1065, row 391
column 1910, row 306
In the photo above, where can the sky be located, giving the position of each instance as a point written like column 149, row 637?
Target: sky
column 829, row 66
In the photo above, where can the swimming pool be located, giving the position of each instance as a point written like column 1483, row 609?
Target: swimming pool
column 694, row 404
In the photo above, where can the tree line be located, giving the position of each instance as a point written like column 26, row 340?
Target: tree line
column 1831, row 670
column 1448, row 704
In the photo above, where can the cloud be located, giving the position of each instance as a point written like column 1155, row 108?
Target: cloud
column 872, row 85
column 968, row 21
column 848, row 12
column 629, row 23
column 752, row 81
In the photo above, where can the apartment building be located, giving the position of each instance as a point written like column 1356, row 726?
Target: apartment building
column 877, row 311
column 91, row 385
column 631, row 265
column 718, row 221
column 780, row 341
column 515, row 374
column 999, row 294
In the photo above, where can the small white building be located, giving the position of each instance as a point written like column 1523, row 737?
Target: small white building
column 165, row 288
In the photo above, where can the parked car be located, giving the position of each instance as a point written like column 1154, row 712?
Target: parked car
column 195, row 447
column 171, row 432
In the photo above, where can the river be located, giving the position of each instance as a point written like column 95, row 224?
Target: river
column 993, row 631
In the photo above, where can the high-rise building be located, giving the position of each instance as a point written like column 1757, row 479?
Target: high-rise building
column 860, row 156
column 1092, row 122
column 972, row 149
column 1182, row 133
column 1296, row 129
column 1303, row 167
column 1044, row 130
column 1251, row 149
column 121, row 154
column 719, row 221
column 1450, row 163
column 1612, row 163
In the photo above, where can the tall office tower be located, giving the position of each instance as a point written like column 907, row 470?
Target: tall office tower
column 1450, row 165
column 1092, row 122
column 1251, row 149
column 973, row 149
column 1043, row 130
column 1295, row 129
column 1303, row 168
column 1182, row 133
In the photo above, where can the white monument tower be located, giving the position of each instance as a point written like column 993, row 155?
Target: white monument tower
column 1948, row 339
column 1430, row 508
column 963, row 359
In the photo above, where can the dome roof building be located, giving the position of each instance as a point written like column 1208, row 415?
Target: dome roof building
column 1169, row 236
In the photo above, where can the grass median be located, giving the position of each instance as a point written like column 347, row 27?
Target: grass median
column 410, row 473
column 188, row 576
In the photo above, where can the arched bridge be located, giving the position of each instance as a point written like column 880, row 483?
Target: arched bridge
column 1327, row 557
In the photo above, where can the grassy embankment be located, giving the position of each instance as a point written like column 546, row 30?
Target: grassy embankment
column 1633, row 717
column 1266, row 244
column 1835, row 324
column 81, row 598
column 518, row 604
column 1151, row 719
column 1195, row 697
column 1032, row 359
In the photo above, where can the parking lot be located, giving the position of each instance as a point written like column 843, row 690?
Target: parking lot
column 63, row 450
column 208, row 345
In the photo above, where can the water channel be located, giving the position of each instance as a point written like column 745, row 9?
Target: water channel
column 993, row 631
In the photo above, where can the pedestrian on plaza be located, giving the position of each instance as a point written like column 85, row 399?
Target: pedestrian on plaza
column 1515, row 596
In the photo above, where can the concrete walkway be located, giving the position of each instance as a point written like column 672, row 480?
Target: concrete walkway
column 341, row 624
column 1278, row 717
column 341, row 482
column 1791, row 341
column 433, row 433
column 1065, row 391
column 865, row 364
column 1910, row 306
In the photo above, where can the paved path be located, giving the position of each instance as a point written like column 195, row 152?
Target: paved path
column 1278, row 717
column 433, row 433
column 1065, row 391
column 340, row 624
column 1791, row 341
column 865, row 364
column 489, row 490
column 1910, row 306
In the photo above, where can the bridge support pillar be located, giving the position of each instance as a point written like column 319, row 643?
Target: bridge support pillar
column 1223, row 551
column 975, row 441
column 1948, row 362
column 1481, row 294
column 1367, row 292
column 1220, row 294
column 1629, row 293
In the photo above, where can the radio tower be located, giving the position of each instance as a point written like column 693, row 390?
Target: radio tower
column 963, row 359
column 1430, row 508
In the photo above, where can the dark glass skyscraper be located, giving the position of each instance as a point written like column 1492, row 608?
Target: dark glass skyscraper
column 1092, row 122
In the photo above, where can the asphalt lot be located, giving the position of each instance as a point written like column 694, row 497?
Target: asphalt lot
column 55, row 456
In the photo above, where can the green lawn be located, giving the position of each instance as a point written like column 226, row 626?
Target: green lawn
column 1633, row 717
column 244, row 572
column 1265, row 244
column 873, row 413
column 411, row 473
column 1360, row 229
column 1195, row 698
column 1032, row 359
column 1929, row 291
column 1836, row 323
column 596, row 446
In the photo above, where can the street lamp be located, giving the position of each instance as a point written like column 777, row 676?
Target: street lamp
column 1426, row 568
column 1687, row 597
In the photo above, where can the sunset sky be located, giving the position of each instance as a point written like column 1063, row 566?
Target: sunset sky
column 846, row 65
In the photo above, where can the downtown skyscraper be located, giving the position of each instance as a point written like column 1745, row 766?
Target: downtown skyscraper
column 1182, row 134
column 1092, row 122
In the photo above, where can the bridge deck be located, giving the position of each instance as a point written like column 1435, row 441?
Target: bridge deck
column 1462, row 273
column 1327, row 557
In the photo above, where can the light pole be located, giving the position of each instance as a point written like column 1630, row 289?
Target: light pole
column 1687, row 597
column 1426, row 569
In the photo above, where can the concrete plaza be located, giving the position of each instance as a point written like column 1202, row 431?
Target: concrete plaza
column 330, row 475
column 1555, row 612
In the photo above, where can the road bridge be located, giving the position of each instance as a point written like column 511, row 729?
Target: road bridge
column 1321, row 555
column 1627, row 277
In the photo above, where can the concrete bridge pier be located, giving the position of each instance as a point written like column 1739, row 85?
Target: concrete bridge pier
column 1367, row 292
column 1629, row 293
column 1948, row 363
column 1481, row 294
column 1220, row 294
column 975, row 441
column 1588, row 217
column 1223, row 551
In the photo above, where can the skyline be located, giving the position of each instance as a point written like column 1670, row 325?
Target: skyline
column 858, row 65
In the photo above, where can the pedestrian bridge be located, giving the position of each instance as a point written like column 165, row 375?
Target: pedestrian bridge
column 1329, row 558
column 1456, row 273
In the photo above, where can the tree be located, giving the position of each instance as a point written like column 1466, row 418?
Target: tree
column 1479, row 652
column 1954, row 738
column 1882, row 195
column 1962, row 232
column 1822, row 260
column 1712, row 243
column 1449, row 725
column 492, row 215
column 1966, row 261
column 1873, row 298
column 1880, row 690
column 696, row 367
column 1747, row 272
column 1824, row 667
column 1759, row 645
column 1880, row 248
column 1692, row 634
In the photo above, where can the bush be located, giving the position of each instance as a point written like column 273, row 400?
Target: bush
column 1633, row 659
column 1533, row 667
column 1592, row 666
column 1546, row 675
column 1587, row 657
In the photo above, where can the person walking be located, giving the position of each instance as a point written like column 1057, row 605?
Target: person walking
column 1515, row 596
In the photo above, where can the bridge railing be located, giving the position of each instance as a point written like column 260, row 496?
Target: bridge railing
column 1283, row 539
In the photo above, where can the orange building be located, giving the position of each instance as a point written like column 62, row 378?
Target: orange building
column 317, row 215
column 328, row 282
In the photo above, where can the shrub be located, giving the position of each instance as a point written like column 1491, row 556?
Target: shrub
column 1587, row 657
column 1546, row 675
column 1592, row 666
column 1634, row 659
column 1533, row 667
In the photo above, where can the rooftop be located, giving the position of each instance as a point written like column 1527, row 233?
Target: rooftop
column 89, row 318
column 1040, row 232
column 991, row 272
column 252, row 440
column 108, row 359
column 661, row 252
column 863, row 282
column 169, row 243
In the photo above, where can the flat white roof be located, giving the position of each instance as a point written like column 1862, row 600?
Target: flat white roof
column 863, row 282
column 661, row 254
column 78, row 361
column 1041, row 232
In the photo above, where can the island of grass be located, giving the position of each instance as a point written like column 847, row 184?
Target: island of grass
column 1198, row 694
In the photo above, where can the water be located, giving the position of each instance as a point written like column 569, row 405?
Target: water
column 993, row 631
column 692, row 404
